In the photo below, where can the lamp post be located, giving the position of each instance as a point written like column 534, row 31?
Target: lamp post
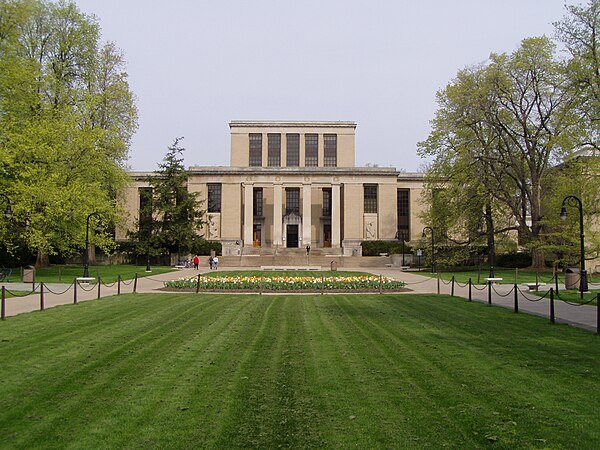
column 401, row 236
column 432, row 247
column 86, row 273
column 571, row 200
column 8, row 210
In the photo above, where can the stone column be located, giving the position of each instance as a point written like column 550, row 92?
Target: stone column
column 277, row 214
column 306, row 215
column 335, row 215
column 248, row 214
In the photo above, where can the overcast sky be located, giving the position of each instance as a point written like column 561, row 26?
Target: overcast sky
column 196, row 65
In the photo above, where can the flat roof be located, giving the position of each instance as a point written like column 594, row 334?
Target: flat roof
column 292, row 123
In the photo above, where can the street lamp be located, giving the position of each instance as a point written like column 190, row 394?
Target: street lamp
column 8, row 211
column 432, row 247
column 86, row 273
column 401, row 236
column 571, row 200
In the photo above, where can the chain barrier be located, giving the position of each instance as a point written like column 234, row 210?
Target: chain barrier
column 20, row 293
column 483, row 288
column 58, row 293
column 92, row 287
column 537, row 299
column 502, row 295
column 461, row 285
column 108, row 285
column 444, row 282
column 577, row 304
column 127, row 284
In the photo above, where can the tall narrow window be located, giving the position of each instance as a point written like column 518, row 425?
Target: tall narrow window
column 257, row 205
column 292, row 200
column 255, row 149
column 370, row 194
column 326, row 202
column 311, row 150
column 292, row 150
column 403, row 214
column 274, row 150
column 330, row 150
column 214, row 197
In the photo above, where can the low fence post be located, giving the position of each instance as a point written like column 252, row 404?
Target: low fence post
column 3, row 308
column 42, row 296
column 118, row 284
column 135, row 283
column 452, row 291
column 470, row 290
column 597, row 313
column 552, row 318
column 75, row 291
column 516, row 298
column 198, row 284
column 556, row 282
column 489, row 292
column 99, row 283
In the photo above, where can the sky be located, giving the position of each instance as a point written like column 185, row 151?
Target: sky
column 196, row 65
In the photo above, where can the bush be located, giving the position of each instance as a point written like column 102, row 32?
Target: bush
column 374, row 248
column 514, row 260
column 203, row 247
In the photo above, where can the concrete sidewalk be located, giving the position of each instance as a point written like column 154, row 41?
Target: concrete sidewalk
column 583, row 316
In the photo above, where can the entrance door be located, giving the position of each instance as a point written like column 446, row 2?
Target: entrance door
column 327, row 235
column 256, row 235
column 292, row 236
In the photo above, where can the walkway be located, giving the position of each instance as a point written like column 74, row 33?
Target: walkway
column 584, row 316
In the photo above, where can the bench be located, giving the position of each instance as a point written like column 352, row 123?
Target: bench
column 494, row 280
column 290, row 267
column 85, row 280
column 533, row 286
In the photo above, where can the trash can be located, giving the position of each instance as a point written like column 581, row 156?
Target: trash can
column 333, row 266
column 29, row 274
column 572, row 278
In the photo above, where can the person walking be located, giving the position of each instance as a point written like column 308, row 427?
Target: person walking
column 216, row 262
column 196, row 261
column 210, row 262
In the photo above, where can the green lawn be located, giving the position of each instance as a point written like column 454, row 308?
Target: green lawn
column 108, row 274
column 232, row 371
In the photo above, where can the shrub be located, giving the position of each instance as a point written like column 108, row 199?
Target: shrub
column 514, row 260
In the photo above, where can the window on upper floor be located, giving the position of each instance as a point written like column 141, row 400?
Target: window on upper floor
column 292, row 150
column 330, row 150
column 370, row 196
column 274, row 150
column 255, row 149
column 403, row 207
column 292, row 200
column 311, row 150
column 214, row 197
column 257, row 204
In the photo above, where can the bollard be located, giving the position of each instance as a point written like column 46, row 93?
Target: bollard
column 470, row 290
column 452, row 291
column 556, row 282
column 42, row 296
column 198, row 284
column 438, row 284
column 516, row 299
column 118, row 284
column 99, row 283
column 75, row 291
column 489, row 292
column 135, row 283
column 597, row 313
column 552, row 318
column 3, row 308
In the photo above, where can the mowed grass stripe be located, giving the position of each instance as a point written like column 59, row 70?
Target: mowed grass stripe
column 231, row 371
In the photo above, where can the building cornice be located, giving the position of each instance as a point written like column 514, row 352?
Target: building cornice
column 290, row 124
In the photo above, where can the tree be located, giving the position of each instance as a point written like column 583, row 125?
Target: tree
column 499, row 129
column 172, row 217
column 66, row 119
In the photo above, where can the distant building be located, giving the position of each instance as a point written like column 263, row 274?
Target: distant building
column 293, row 184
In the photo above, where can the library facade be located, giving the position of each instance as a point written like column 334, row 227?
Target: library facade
column 295, row 184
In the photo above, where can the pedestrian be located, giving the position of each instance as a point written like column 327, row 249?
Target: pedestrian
column 196, row 262
column 210, row 262
column 216, row 262
column 308, row 250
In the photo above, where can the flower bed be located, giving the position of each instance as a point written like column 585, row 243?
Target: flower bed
column 286, row 283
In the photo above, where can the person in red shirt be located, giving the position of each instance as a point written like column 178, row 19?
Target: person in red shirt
column 196, row 261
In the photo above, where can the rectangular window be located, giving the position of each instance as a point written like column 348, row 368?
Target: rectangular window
column 214, row 198
column 274, row 150
column 311, row 150
column 330, row 150
column 327, row 202
column 255, row 149
column 370, row 198
column 257, row 204
column 403, row 213
column 292, row 150
column 292, row 200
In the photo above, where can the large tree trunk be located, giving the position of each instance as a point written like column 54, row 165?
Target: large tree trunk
column 42, row 259
column 537, row 259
